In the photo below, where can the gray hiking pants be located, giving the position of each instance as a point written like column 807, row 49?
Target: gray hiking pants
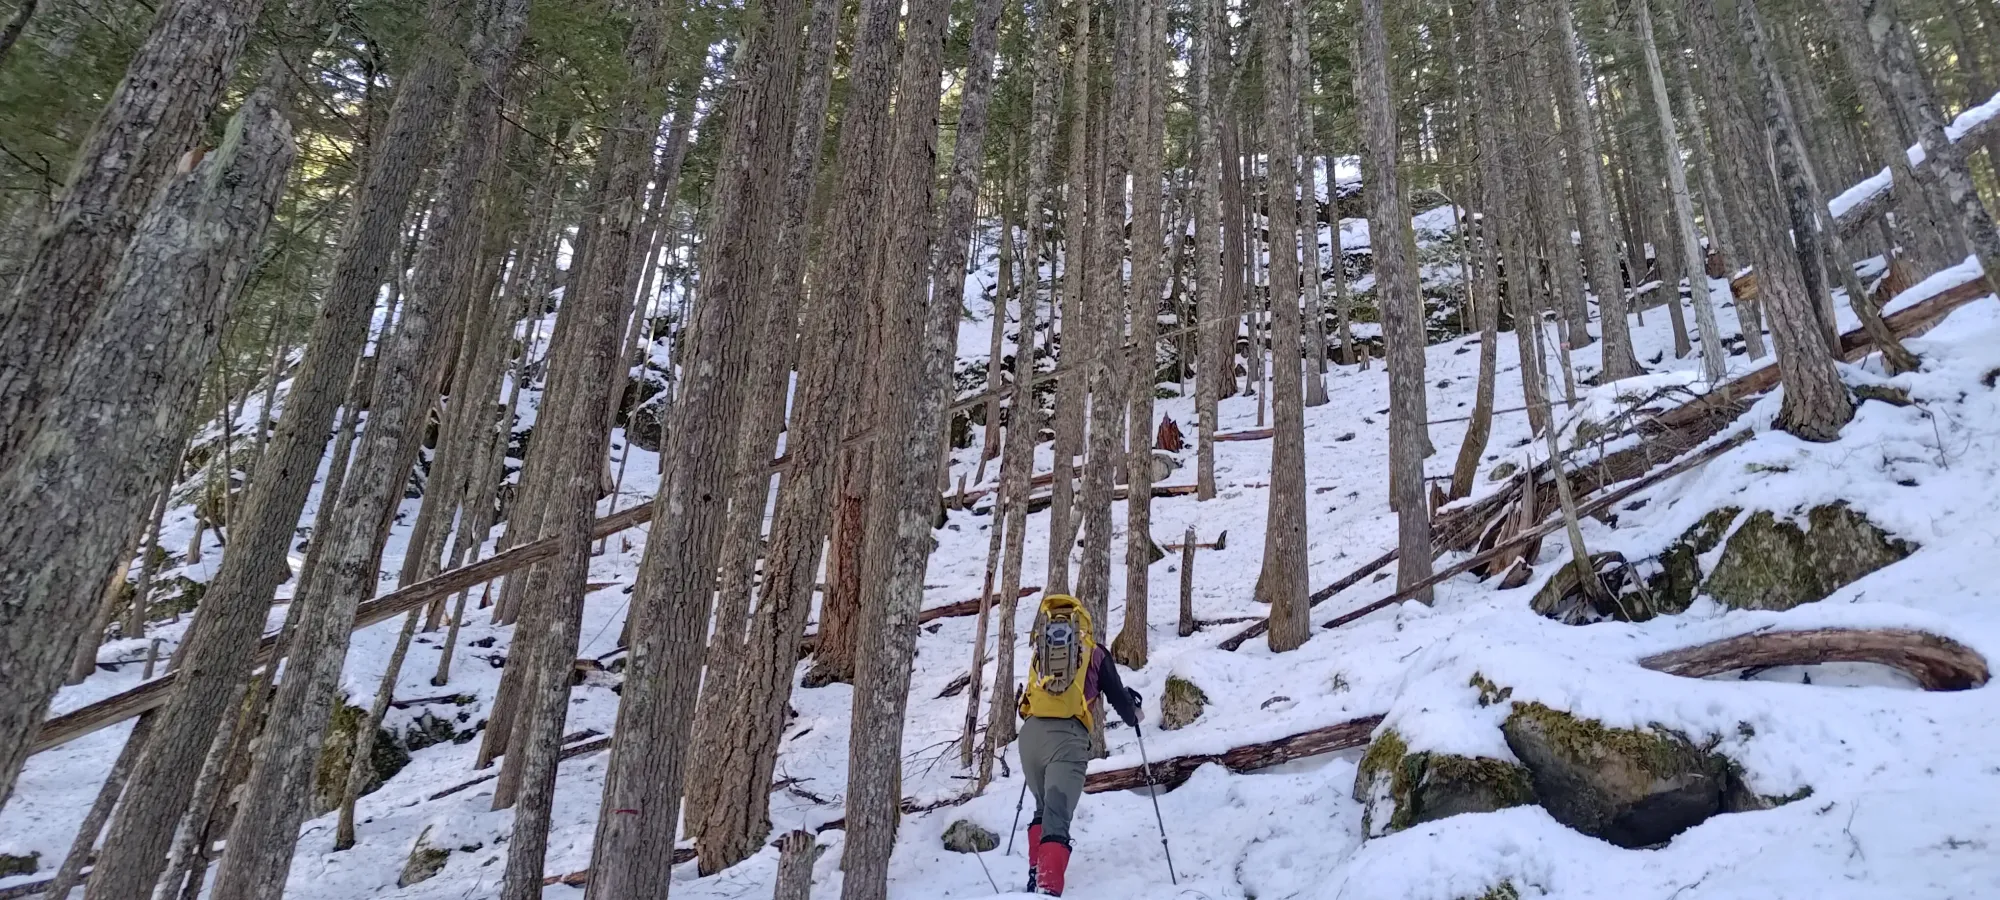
column 1054, row 753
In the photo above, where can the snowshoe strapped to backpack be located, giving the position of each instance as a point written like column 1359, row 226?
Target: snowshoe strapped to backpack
column 1061, row 652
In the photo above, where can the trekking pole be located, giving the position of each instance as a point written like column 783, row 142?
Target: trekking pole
column 1017, row 815
column 1154, row 793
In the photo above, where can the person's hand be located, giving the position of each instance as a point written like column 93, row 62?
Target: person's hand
column 1138, row 703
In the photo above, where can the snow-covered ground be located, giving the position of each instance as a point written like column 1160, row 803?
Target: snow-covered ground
column 1902, row 781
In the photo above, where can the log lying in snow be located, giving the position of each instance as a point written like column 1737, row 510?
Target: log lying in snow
column 1543, row 530
column 154, row 694
column 1254, row 434
column 1937, row 663
column 947, row 611
column 1863, row 210
column 1250, row 757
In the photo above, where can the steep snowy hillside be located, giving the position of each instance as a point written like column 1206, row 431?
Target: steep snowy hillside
column 1879, row 788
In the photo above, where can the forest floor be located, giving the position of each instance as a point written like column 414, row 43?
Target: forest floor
column 1902, row 781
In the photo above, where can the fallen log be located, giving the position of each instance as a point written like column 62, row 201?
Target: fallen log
column 1252, row 434
column 1543, row 530
column 1863, row 210
column 1248, row 758
column 1677, row 430
column 154, row 694
column 1937, row 663
column 1351, row 579
column 947, row 611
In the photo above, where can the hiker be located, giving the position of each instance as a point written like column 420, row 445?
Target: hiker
column 1066, row 671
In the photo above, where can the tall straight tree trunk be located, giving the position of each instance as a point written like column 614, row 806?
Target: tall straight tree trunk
column 721, row 702
column 155, row 117
column 1313, row 330
column 1024, row 415
column 1724, row 211
column 1713, row 362
column 1816, row 404
column 1896, row 53
column 82, row 480
column 1402, row 305
column 215, row 660
column 919, row 324
column 1282, row 580
column 1217, row 355
column 1586, row 170
column 1075, row 334
column 670, row 618
column 1553, row 215
column 1492, row 203
column 1147, row 235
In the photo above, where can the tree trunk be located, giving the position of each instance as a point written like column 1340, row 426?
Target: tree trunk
column 670, row 618
column 1282, row 580
column 1492, row 203
column 1816, row 404
column 1024, row 416
column 1402, row 305
column 1920, row 237
column 134, row 623
column 217, row 653
column 1713, row 362
column 1073, row 340
column 189, row 258
column 1586, row 171
column 1130, row 647
column 147, row 137
column 1217, row 355
column 1896, row 53
column 916, row 376
column 727, row 653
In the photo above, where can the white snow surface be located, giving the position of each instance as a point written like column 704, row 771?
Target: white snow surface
column 1881, row 181
column 1902, row 781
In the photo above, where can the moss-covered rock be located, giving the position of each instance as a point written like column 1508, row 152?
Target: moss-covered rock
column 335, row 756
column 174, row 596
column 426, row 860
column 1181, row 702
column 1774, row 564
column 1503, row 891
column 11, row 865
column 966, row 836
column 1674, row 587
column 1398, row 789
column 1631, row 787
column 1737, row 796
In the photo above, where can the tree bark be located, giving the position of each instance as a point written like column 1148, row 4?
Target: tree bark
column 916, row 378
column 670, row 617
column 1402, row 305
column 1492, row 204
column 1896, row 53
column 1586, row 170
column 217, row 653
column 1218, row 358
column 1713, row 362
column 146, row 140
column 1073, row 340
column 1282, row 580
column 1816, row 404
column 94, row 471
column 1130, row 646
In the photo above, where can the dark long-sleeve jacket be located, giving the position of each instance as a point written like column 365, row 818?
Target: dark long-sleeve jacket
column 1103, row 679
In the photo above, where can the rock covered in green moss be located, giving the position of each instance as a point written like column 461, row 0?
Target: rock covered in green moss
column 1398, row 789
column 337, row 754
column 967, row 836
column 1181, row 703
column 1631, row 787
column 425, row 861
column 1680, row 575
column 11, row 865
column 1503, row 891
column 1774, row 564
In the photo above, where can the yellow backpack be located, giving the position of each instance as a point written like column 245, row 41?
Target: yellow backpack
column 1061, row 651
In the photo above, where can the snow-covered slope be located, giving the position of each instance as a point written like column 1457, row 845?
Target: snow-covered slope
column 1901, row 780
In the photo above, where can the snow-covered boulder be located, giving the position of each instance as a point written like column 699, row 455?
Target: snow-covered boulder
column 1398, row 788
column 1631, row 787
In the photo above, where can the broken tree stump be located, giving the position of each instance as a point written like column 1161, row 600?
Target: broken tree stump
column 1937, row 663
column 1247, row 758
column 796, row 852
column 1186, row 626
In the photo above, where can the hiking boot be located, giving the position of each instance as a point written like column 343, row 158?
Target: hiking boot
column 1052, row 863
column 1034, row 852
